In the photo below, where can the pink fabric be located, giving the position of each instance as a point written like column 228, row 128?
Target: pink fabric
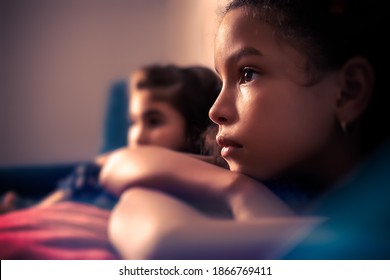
column 65, row 230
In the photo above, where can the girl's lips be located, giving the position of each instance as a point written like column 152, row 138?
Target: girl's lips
column 224, row 142
column 227, row 151
column 228, row 146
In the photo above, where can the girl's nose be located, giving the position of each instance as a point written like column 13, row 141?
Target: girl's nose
column 137, row 137
column 222, row 111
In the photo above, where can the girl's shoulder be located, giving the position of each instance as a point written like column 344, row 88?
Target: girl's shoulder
column 358, row 212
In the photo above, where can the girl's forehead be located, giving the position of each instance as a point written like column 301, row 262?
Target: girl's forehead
column 143, row 101
column 155, row 93
column 239, row 25
column 143, row 98
column 242, row 38
column 238, row 30
column 242, row 17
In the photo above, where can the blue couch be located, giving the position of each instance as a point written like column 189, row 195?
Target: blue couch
column 38, row 180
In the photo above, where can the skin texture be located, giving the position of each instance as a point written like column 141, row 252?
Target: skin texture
column 154, row 122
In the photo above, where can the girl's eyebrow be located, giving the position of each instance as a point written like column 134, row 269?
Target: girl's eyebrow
column 246, row 51
column 242, row 52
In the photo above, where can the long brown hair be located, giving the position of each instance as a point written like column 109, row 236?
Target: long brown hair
column 191, row 91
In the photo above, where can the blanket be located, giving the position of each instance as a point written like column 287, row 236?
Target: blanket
column 67, row 230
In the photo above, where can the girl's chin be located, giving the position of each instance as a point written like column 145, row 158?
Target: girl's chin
column 237, row 168
column 255, row 174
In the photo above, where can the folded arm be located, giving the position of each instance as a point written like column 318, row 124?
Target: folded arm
column 149, row 224
column 189, row 179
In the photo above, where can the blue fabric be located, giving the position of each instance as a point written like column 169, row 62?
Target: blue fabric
column 359, row 216
column 33, row 180
column 83, row 185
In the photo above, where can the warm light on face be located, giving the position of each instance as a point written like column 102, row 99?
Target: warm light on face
column 269, row 119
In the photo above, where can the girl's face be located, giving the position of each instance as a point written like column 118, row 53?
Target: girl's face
column 154, row 122
column 270, row 120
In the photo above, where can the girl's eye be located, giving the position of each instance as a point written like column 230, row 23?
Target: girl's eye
column 247, row 75
column 154, row 122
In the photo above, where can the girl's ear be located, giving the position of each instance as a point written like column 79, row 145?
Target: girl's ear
column 357, row 84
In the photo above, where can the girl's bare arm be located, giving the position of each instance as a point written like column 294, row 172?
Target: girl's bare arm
column 189, row 178
column 148, row 224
